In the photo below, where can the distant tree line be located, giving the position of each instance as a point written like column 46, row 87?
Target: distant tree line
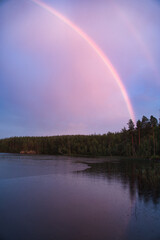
column 140, row 140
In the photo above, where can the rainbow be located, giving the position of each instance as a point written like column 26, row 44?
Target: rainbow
column 144, row 48
column 97, row 50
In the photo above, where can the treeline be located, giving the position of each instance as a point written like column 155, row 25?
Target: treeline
column 142, row 139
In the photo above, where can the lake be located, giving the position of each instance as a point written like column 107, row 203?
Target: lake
column 67, row 198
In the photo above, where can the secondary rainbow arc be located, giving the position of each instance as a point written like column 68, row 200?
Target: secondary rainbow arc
column 96, row 48
column 138, row 37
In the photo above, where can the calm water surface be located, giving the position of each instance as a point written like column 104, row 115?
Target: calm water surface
column 66, row 198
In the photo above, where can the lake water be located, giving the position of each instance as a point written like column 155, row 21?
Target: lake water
column 66, row 198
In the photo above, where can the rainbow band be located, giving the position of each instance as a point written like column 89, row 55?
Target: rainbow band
column 94, row 46
column 144, row 48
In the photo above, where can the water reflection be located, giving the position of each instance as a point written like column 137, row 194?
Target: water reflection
column 142, row 176
column 41, row 197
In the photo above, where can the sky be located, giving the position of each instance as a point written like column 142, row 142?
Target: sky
column 54, row 78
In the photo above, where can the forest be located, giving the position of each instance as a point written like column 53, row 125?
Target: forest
column 138, row 140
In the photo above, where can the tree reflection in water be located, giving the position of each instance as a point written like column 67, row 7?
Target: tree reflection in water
column 142, row 176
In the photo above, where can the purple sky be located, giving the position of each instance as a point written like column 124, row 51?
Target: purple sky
column 52, row 82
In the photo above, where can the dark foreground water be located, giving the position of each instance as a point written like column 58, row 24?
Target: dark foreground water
column 64, row 198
